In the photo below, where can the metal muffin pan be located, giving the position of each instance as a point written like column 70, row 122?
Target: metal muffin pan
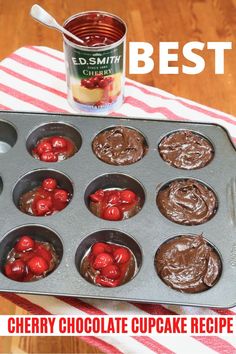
column 145, row 231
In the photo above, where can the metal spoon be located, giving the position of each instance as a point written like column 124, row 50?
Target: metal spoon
column 39, row 14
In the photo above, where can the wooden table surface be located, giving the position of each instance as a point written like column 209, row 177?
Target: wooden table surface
column 149, row 21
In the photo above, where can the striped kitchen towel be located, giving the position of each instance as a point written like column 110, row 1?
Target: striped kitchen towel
column 33, row 79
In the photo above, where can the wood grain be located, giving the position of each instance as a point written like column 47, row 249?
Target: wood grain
column 150, row 21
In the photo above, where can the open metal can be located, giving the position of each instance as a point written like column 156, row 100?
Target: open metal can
column 95, row 71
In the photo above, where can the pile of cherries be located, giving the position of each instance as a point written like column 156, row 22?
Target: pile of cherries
column 114, row 204
column 97, row 81
column 110, row 263
column 49, row 198
column 53, row 149
column 30, row 260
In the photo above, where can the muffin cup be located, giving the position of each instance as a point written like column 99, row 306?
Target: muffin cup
column 113, row 237
column 115, row 181
column 8, row 136
column 34, row 179
column 37, row 233
column 53, row 129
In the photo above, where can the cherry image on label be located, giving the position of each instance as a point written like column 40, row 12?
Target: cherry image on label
column 54, row 149
column 46, row 199
column 30, row 260
column 108, row 264
column 96, row 81
column 100, row 89
column 114, row 204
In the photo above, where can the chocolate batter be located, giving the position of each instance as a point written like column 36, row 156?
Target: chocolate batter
column 27, row 199
column 187, row 202
column 188, row 264
column 186, row 150
column 119, row 146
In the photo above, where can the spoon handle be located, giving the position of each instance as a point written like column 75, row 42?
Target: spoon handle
column 39, row 14
column 69, row 34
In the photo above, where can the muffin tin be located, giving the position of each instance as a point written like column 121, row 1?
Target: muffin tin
column 75, row 229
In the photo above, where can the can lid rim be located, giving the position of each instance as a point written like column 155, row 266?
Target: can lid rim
column 99, row 48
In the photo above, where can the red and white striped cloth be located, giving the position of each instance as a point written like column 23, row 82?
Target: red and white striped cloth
column 33, row 79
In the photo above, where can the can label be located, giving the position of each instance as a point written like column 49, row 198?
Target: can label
column 95, row 79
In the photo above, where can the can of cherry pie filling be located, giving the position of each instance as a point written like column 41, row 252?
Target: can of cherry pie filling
column 95, row 70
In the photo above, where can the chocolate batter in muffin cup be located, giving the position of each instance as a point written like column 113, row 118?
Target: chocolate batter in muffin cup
column 187, row 202
column 120, row 146
column 188, row 264
column 186, row 150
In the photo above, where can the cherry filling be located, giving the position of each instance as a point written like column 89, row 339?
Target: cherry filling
column 114, row 204
column 30, row 260
column 108, row 264
column 46, row 199
column 97, row 81
column 54, row 148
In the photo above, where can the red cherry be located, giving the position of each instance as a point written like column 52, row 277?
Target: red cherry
column 15, row 270
column 109, row 79
column 112, row 213
column 43, row 207
column 95, row 81
column 99, row 76
column 38, row 265
column 114, row 198
column 127, row 196
column 101, row 247
column 88, row 84
column 48, row 157
column 97, row 196
column 25, row 243
column 111, row 271
column 59, row 142
column 122, row 255
column 106, row 282
column 43, row 146
column 26, row 256
column 28, row 277
column 102, row 83
column 108, row 248
column 42, row 251
column 61, row 195
column 49, row 184
column 102, row 260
